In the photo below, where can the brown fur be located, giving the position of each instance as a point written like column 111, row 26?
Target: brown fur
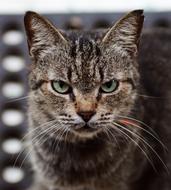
column 71, row 156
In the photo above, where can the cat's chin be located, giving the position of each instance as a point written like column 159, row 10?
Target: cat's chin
column 86, row 131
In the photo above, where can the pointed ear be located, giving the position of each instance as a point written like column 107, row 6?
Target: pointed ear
column 41, row 34
column 125, row 34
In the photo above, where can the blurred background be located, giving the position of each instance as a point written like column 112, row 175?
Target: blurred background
column 15, row 172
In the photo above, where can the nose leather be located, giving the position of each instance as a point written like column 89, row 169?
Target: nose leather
column 86, row 116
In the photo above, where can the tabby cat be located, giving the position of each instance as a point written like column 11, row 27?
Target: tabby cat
column 97, row 115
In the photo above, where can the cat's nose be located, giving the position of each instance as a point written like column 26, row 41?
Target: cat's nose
column 86, row 115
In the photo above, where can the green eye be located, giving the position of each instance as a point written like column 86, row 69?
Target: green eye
column 60, row 87
column 109, row 86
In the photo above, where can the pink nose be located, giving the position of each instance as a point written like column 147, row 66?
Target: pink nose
column 86, row 116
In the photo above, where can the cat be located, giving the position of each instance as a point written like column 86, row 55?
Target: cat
column 93, row 116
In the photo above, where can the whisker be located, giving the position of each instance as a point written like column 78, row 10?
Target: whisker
column 45, row 132
column 135, row 125
column 30, row 132
column 108, row 129
column 148, row 96
column 66, row 135
column 39, row 141
column 57, row 128
column 37, row 128
column 143, row 140
column 141, row 122
column 59, row 139
column 109, row 140
column 107, row 133
column 136, row 143
column 63, row 128
column 17, row 99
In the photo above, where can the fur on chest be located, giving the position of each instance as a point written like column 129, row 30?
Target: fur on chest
column 76, row 164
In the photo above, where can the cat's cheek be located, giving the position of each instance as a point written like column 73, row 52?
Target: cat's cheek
column 44, row 89
column 126, row 88
column 70, row 110
column 123, row 100
column 44, row 96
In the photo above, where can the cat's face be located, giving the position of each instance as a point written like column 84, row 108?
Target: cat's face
column 83, row 81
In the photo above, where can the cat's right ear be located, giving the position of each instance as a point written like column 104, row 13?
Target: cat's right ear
column 41, row 34
column 125, row 34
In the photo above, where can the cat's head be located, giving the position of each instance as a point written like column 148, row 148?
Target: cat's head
column 83, row 80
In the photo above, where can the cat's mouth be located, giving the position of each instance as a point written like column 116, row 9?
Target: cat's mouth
column 85, row 129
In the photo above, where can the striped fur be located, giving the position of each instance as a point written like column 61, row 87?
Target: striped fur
column 69, row 158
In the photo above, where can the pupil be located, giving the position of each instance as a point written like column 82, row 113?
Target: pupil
column 109, row 84
column 61, row 84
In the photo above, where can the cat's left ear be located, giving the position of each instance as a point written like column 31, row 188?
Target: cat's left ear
column 41, row 34
column 124, row 36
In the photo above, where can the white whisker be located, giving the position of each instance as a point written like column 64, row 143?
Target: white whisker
column 18, row 99
column 157, row 139
column 108, row 129
column 144, row 141
column 141, row 122
column 136, row 143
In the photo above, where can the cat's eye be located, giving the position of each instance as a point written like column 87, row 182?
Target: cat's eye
column 110, row 86
column 60, row 87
